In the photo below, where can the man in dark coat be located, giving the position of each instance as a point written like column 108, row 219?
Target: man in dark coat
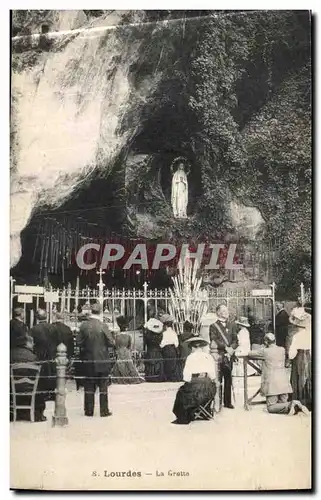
column 18, row 328
column 96, row 345
column 62, row 334
column 281, row 325
column 223, row 333
column 45, row 350
column 23, row 353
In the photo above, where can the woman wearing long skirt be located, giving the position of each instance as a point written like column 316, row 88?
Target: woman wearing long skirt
column 300, row 354
column 124, row 371
column 243, row 348
column 184, row 348
column 199, row 387
column 153, row 359
column 169, row 346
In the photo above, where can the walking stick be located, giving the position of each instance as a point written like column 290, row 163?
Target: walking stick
column 233, row 392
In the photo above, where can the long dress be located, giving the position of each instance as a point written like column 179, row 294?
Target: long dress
column 124, row 371
column 243, row 348
column 184, row 351
column 199, row 388
column 153, row 360
column 301, row 373
column 169, row 345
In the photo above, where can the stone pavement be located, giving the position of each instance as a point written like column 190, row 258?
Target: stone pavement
column 237, row 450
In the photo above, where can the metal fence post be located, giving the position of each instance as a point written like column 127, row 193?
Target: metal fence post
column 145, row 301
column 273, row 286
column 60, row 416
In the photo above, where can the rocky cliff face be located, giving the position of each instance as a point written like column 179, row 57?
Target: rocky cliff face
column 66, row 112
column 99, row 114
column 77, row 109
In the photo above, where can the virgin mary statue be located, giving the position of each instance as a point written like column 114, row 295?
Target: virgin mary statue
column 180, row 193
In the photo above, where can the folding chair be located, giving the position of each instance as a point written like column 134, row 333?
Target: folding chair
column 29, row 376
column 205, row 411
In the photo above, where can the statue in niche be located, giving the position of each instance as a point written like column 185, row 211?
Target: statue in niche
column 180, row 189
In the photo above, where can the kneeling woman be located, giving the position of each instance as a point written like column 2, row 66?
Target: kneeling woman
column 199, row 388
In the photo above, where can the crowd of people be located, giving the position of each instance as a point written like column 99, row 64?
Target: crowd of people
column 206, row 362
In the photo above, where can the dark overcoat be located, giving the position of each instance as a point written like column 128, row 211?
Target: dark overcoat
column 45, row 350
column 97, row 348
column 18, row 329
column 62, row 334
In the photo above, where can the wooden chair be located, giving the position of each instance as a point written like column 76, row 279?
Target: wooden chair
column 31, row 380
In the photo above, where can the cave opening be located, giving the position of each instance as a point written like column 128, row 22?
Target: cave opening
column 94, row 213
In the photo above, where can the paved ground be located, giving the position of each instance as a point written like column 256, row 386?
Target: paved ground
column 238, row 450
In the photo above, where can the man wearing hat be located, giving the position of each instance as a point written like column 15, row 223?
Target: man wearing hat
column 281, row 324
column 223, row 334
column 275, row 384
column 169, row 346
column 96, row 345
column 199, row 388
column 18, row 328
column 22, row 352
column 62, row 334
column 45, row 350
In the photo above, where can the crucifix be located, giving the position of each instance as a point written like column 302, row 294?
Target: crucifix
column 101, row 291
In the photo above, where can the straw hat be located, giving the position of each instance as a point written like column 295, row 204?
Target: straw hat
column 154, row 325
column 243, row 321
column 299, row 317
column 208, row 319
column 197, row 341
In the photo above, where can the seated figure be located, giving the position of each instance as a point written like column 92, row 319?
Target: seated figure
column 23, row 353
column 199, row 387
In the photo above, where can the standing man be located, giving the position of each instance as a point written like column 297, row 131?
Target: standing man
column 45, row 351
column 281, row 325
column 223, row 333
column 62, row 334
column 18, row 328
column 96, row 345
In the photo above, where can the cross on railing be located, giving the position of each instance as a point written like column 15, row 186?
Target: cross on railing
column 101, row 291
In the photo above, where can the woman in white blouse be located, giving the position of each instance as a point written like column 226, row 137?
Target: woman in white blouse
column 300, row 354
column 199, row 387
column 169, row 347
